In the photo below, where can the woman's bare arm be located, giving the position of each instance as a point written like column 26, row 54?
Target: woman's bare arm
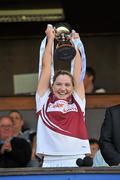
column 79, row 85
column 44, row 79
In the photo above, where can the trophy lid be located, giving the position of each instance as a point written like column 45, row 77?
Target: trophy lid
column 63, row 27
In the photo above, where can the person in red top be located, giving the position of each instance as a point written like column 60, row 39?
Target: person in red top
column 62, row 136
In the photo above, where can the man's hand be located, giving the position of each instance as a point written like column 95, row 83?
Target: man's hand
column 6, row 147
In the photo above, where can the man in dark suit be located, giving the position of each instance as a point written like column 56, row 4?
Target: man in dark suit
column 110, row 136
column 14, row 151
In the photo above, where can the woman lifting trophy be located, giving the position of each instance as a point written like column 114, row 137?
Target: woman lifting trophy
column 62, row 136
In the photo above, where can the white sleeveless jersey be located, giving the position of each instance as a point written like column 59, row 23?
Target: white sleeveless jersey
column 61, row 126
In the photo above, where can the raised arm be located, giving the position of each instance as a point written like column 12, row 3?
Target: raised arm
column 78, row 83
column 44, row 79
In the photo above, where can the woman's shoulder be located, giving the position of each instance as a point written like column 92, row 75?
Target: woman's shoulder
column 81, row 102
column 47, row 93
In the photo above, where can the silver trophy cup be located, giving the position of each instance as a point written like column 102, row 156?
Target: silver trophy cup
column 64, row 50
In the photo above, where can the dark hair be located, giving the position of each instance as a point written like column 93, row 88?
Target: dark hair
column 91, row 72
column 16, row 111
column 94, row 141
column 63, row 72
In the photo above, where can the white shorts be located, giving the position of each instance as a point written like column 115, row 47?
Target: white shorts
column 61, row 161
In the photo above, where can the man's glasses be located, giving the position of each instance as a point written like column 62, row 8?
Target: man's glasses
column 6, row 126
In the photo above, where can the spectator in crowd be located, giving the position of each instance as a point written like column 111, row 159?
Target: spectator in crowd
column 61, row 132
column 110, row 136
column 28, row 134
column 19, row 130
column 89, row 82
column 14, row 151
column 94, row 147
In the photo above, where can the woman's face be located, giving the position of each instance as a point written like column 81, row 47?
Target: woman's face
column 62, row 87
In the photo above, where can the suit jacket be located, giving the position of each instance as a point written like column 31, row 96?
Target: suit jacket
column 110, row 136
column 19, row 156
